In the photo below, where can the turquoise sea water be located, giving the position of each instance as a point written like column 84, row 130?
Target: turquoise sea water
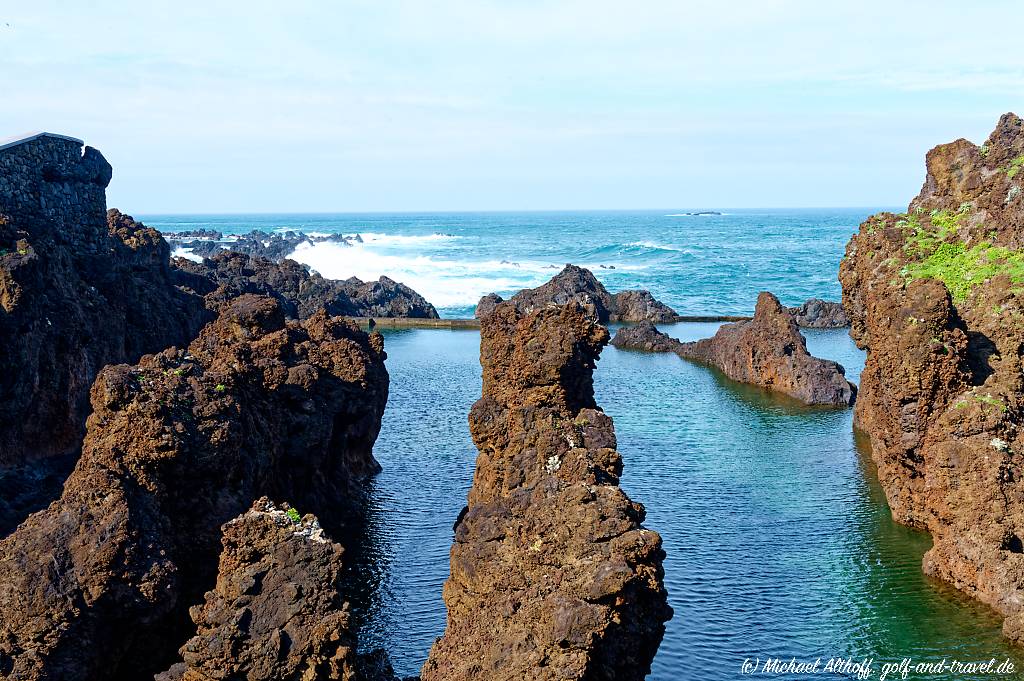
column 779, row 542
column 713, row 264
column 778, row 539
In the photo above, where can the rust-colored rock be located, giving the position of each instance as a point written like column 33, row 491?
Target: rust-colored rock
column 552, row 574
column 276, row 611
column 578, row 285
column 97, row 586
column 936, row 297
column 767, row 350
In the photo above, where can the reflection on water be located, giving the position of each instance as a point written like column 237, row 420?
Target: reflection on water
column 778, row 538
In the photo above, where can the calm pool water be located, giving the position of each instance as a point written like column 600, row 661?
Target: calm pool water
column 778, row 537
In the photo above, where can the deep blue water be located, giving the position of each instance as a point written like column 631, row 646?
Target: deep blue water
column 697, row 264
column 779, row 542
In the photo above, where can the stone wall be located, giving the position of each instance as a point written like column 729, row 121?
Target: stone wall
column 53, row 178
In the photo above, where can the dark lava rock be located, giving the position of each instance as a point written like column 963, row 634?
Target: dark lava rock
column 552, row 574
column 276, row 611
column 578, row 285
column 645, row 336
column 274, row 246
column 386, row 298
column 816, row 313
column 487, row 305
column 639, row 306
column 76, row 293
column 935, row 299
column 300, row 291
column 98, row 585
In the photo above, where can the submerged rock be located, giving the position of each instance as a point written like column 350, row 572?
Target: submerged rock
column 552, row 574
column 936, row 298
column 97, row 586
column 301, row 291
column 276, row 611
column 816, row 313
column 578, row 285
column 767, row 350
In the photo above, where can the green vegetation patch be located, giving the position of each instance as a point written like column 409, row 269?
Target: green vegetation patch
column 294, row 516
column 1015, row 167
column 981, row 399
column 935, row 256
column 961, row 268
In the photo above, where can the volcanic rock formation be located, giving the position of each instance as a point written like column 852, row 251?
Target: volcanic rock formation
column 77, row 292
column 274, row 246
column 936, row 297
column 97, row 586
column 552, row 574
column 579, row 285
column 300, row 291
column 816, row 313
column 645, row 336
column 276, row 611
column 767, row 350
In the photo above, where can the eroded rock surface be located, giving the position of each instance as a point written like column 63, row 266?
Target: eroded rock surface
column 79, row 289
column 767, row 350
column 578, row 285
column 816, row 313
column 936, row 297
column 97, row 586
column 552, row 574
column 276, row 611
column 301, row 291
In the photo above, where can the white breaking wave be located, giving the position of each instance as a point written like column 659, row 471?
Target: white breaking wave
column 661, row 247
column 445, row 283
column 186, row 253
column 405, row 240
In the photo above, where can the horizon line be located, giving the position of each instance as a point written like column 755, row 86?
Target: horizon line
column 509, row 210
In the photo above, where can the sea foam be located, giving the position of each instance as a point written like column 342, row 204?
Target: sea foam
column 447, row 283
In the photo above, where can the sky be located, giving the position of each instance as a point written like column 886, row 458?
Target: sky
column 383, row 105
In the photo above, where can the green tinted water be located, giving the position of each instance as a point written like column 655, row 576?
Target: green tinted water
column 778, row 537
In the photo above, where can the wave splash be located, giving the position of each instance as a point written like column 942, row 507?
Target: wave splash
column 447, row 283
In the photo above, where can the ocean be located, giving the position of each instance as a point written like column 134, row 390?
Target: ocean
column 698, row 264
column 778, row 539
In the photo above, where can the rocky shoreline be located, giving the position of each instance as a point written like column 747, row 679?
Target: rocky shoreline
column 221, row 396
column 935, row 298
column 163, row 421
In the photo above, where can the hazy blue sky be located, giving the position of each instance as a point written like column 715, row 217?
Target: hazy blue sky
column 525, row 104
